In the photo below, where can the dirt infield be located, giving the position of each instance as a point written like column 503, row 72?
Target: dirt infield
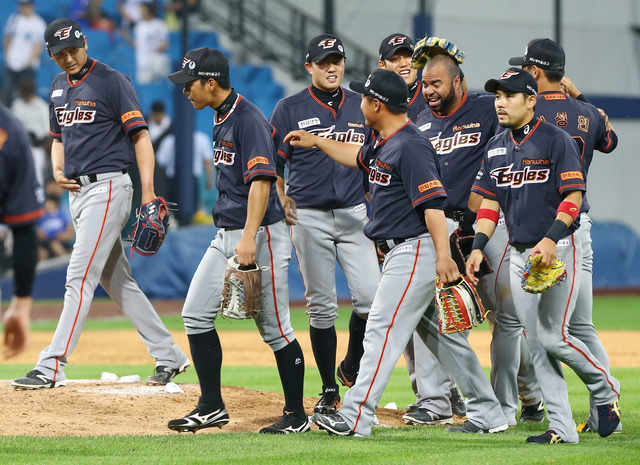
column 87, row 408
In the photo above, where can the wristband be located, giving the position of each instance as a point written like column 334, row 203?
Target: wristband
column 488, row 214
column 569, row 208
column 557, row 231
column 479, row 241
column 468, row 217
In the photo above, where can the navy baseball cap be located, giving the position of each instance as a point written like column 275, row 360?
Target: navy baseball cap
column 386, row 86
column 391, row 44
column 322, row 46
column 514, row 80
column 63, row 33
column 543, row 53
column 199, row 63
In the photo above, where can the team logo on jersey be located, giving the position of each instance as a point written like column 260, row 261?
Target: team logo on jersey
column 255, row 160
column 377, row 176
column 583, row 123
column 496, row 152
column 63, row 33
column 458, row 140
column 308, row 122
column 466, row 126
column 571, row 175
column 76, row 116
column 222, row 156
column 349, row 137
column 87, row 103
column 505, row 177
column 537, row 161
column 562, row 119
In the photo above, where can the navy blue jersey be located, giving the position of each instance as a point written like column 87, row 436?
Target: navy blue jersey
column 417, row 103
column 459, row 139
column 402, row 176
column 581, row 120
column 530, row 179
column 21, row 195
column 93, row 118
column 243, row 150
column 315, row 180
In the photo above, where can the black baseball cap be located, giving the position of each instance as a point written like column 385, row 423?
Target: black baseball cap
column 63, row 33
column 199, row 63
column 514, row 80
column 384, row 85
column 320, row 47
column 543, row 53
column 394, row 42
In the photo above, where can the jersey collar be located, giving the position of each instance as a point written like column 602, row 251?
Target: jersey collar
column 379, row 142
column 82, row 75
column 416, row 88
column 333, row 110
column 535, row 126
column 227, row 107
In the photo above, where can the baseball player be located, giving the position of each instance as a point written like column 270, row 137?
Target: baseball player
column 251, row 222
column 97, row 126
column 535, row 167
column 437, row 394
column 21, row 205
column 409, row 227
column 545, row 60
column 459, row 125
column 325, row 207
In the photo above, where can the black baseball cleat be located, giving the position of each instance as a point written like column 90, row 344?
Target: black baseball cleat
column 333, row 424
column 288, row 424
column 346, row 379
column 608, row 418
column 458, row 403
column 35, row 379
column 468, row 427
column 550, row 437
column 532, row 413
column 164, row 374
column 202, row 416
column 328, row 403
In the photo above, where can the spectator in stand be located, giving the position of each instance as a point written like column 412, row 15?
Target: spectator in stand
column 175, row 11
column 130, row 13
column 159, row 128
column 33, row 112
column 151, row 42
column 89, row 14
column 55, row 231
column 22, row 44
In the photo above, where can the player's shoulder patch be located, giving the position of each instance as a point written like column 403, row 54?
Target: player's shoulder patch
column 424, row 127
column 56, row 93
column 496, row 152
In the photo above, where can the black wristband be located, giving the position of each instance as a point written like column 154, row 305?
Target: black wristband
column 468, row 217
column 479, row 241
column 557, row 231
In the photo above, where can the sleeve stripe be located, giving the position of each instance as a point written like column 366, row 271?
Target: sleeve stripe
column 283, row 154
column 440, row 192
column 128, row 126
column 484, row 191
column 359, row 160
column 575, row 187
column 53, row 134
column 253, row 173
column 23, row 217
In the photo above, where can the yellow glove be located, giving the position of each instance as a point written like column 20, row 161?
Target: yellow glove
column 537, row 279
column 428, row 47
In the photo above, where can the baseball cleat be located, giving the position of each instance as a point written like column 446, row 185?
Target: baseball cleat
column 468, row 427
column 458, row 403
column 333, row 424
column 422, row 416
column 608, row 418
column 328, row 403
column 532, row 413
column 346, row 379
column 35, row 379
column 288, row 424
column 550, row 437
column 164, row 374
column 201, row 417
column 585, row 427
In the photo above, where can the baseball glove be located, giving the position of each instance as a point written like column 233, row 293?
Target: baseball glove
column 537, row 279
column 426, row 48
column 152, row 225
column 460, row 251
column 459, row 306
column 242, row 293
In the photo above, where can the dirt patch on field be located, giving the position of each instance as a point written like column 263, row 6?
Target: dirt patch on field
column 87, row 408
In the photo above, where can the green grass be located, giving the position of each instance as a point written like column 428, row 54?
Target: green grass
column 423, row 445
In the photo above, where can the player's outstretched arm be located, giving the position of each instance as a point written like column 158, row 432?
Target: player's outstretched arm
column 343, row 153
column 146, row 163
column 446, row 268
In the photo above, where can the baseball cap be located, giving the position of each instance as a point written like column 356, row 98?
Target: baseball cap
column 322, row 46
column 25, row 2
column 543, row 53
column 391, row 44
column 384, row 85
column 514, row 80
column 199, row 63
column 62, row 33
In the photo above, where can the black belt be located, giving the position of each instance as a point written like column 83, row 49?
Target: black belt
column 386, row 246
column 520, row 247
column 455, row 215
column 90, row 178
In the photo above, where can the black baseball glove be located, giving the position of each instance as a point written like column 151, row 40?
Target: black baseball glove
column 152, row 225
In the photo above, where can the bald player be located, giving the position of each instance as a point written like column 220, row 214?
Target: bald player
column 545, row 60
column 535, row 167
column 409, row 227
column 97, row 128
